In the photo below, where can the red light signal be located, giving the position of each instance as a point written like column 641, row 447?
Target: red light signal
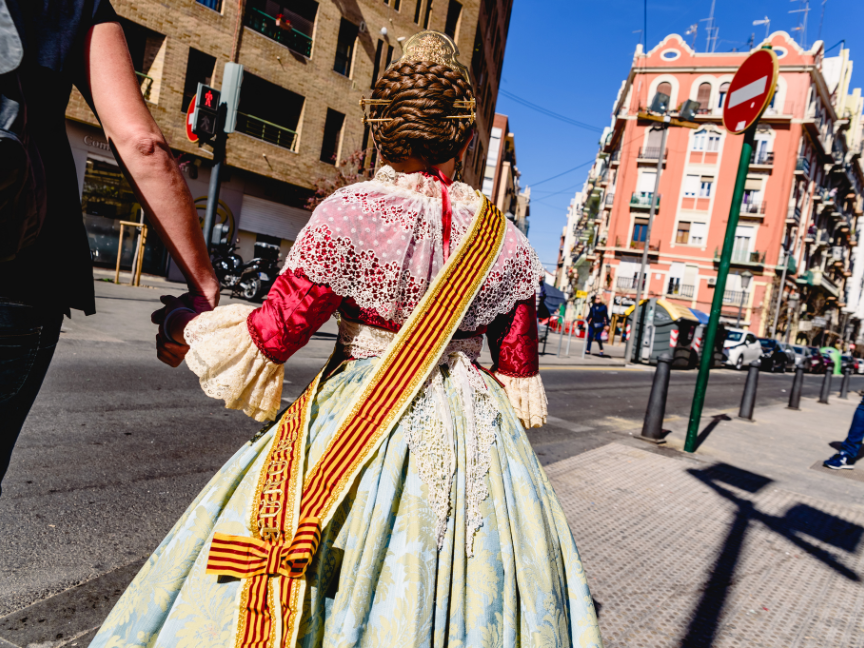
column 205, row 118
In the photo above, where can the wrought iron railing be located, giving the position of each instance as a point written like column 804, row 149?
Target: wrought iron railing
column 643, row 199
column 735, row 297
column 146, row 83
column 282, row 29
column 765, row 158
column 754, row 207
column 681, row 290
column 267, row 131
column 651, row 153
column 629, row 283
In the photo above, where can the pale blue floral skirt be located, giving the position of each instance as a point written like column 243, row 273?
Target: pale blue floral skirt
column 379, row 578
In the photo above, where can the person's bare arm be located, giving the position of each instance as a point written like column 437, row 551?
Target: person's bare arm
column 146, row 157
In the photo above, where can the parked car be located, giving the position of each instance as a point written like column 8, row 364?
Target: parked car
column 774, row 357
column 790, row 353
column 741, row 348
column 847, row 362
column 827, row 362
column 858, row 365
column 811, row 361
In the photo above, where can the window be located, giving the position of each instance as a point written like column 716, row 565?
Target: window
column 713, row 143
column 699, row 141
column 697, row 233
column 345, row 47
column 706, row 184
column 199, row 69
column 419, row 9
column 393, row 3
column 215, row 5
column 706, row 141
column 269, row 112
column 665, row 88
column 147, row 49
column 454, row 12
column 428, row 14
column 289, row 23
column 640, row 232
column 743, row 244
column 704, row 96
column 691, row 186
column 682, row 235
column 721, row 96
column 332, row 135
column 646, row 182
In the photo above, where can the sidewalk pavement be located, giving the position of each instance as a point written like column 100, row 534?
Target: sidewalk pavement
column 747, row 542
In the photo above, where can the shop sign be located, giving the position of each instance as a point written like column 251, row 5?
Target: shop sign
column 96, row 143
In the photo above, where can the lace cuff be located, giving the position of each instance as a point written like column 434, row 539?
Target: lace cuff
column 229, row 365
column 527, row 397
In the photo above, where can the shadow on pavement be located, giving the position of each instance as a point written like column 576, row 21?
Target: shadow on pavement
column 799, row 521
column 704, row 434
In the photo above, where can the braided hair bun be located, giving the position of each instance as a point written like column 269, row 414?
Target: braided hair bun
column 422, row 96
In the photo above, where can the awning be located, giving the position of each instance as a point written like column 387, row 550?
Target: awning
column 675, row 312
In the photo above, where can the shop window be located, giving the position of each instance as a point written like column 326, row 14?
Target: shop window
column 106, row 199
column 682, row 235
column 332, row 135
column 215, row 5
column 454, row 13
column 269, row 112
column 345, row 47
column 147, row 49
column 199, row 69
column 289, row 23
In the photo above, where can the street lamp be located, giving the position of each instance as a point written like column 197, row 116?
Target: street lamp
column 746, row 276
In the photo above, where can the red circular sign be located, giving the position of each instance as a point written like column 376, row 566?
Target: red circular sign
column 750, row 91
column 192, row 136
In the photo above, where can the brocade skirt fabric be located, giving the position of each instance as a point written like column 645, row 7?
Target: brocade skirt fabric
column 379, row 577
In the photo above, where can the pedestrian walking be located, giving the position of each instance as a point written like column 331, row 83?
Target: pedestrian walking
column 845, row 459
column 46, row 46
column 401, row 457
column 596, row 323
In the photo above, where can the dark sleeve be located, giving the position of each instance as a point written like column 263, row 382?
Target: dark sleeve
column 103, row 12
column 294, row 310
column 513, row 341
column 100, row 12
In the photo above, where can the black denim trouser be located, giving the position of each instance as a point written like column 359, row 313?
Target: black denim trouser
column 28, row 336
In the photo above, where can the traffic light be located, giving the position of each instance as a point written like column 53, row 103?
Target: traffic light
column 205, row 118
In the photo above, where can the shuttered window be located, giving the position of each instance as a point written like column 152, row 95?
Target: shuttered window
column 261, row 216
column 697, row 233
column 704, row 95
column 682, row 235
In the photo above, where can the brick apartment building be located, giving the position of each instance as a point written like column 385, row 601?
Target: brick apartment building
column 501, row 176
column 307, row 64
column 803, row 193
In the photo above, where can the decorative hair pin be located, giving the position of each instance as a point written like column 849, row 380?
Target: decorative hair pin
column 460, row 103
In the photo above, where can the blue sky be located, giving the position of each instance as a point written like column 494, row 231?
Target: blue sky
column 570, row 57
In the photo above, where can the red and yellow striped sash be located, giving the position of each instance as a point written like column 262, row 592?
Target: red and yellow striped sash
column 285, row 510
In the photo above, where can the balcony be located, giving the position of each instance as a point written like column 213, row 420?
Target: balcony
column 762, row 158
column 267, row 131
column 642, row 199
column 753, row 208
column 615, row 157
column 734, row 297
column 743, row 257
column 610, row 198
column 629, row 283
column 793, row 215
column 146, row 83
column 680, row 290
column 287, row 29
column 802, row 165
column 652, row 153
column 640, row 245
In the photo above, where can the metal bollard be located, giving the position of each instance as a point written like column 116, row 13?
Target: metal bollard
column 748, row 399
column 797, row 385
column 826, row 387
column 844, row 386
column 652, row 428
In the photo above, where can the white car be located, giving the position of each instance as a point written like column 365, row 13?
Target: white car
column 742, row 348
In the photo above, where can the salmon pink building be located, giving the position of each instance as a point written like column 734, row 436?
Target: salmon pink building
column 802, row 195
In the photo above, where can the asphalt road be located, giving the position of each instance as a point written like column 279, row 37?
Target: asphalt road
column 118, row 444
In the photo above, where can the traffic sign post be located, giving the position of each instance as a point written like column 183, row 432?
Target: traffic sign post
column 749, row 94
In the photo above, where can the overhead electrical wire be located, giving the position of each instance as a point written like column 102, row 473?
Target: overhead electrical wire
column 547, row 112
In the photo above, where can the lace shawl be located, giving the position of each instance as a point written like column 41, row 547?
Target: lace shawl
column 380, row 243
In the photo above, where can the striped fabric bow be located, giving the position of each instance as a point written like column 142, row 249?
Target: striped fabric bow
column 244, row 557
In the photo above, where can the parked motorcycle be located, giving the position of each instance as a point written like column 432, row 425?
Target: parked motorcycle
column 257, row 276
column 227, row 264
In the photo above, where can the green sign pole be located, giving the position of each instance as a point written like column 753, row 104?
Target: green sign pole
column 719, row 291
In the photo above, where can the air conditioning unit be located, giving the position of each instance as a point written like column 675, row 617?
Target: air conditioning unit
column 712, row 281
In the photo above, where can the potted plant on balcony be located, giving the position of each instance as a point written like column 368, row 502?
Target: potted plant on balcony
column 283, row 23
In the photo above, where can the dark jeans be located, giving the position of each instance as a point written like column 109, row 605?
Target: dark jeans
column 594, row 333
column 852, row 444
column 28, row 337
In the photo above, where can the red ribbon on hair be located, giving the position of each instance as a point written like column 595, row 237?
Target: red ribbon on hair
column 446, row 209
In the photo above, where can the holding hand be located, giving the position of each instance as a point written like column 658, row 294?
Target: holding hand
column 172, row 319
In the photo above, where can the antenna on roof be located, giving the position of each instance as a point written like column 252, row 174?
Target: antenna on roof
column 765, row 21
column 802, row 26
column 711, row 35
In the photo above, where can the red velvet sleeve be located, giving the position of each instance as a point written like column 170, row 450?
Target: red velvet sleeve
column 513, row 341
column 294, row 310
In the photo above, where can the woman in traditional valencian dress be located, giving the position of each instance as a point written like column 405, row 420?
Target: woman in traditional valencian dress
column 398, row 501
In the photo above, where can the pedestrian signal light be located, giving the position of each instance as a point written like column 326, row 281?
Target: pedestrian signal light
column 205, row 119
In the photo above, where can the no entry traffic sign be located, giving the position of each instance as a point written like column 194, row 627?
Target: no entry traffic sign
column 192, row 136
column 750, row 91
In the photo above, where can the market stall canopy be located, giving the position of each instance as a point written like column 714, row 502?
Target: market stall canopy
column 676, row 312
